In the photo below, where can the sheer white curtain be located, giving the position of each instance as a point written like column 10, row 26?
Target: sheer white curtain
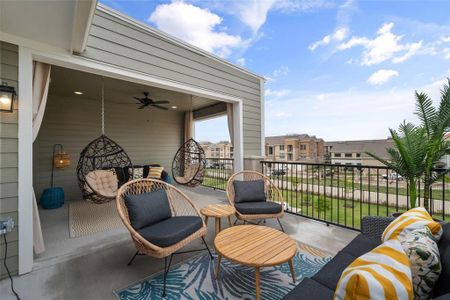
column 230, row 122
column 188, row 125
column 41, row 81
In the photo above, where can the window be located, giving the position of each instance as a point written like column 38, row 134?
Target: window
column 289, row 148
column 231, row 149
column 338, row 163
column 281, row 147
column 270, row 150
column 302, row 147
column 289, row 156
column 358, row 154
column 348, row 155
column 337, row 154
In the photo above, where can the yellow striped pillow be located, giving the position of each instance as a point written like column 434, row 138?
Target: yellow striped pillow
column 155, row 172
column 383, row 273
column 415, row 218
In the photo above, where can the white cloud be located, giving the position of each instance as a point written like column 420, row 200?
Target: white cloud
column 385, row 46
column 339, row 35
column 254, row 13
column 345, row 114
column 275, row 94
column 279, row 72
column 241, row 61
column 382, row 76
column 195, row 25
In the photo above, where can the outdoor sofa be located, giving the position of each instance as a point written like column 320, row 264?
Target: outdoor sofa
column 322, row 285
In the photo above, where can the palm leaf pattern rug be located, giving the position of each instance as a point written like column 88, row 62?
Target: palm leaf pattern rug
column 194, row 279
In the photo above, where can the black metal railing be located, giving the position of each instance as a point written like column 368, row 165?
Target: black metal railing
column 218, row 170
column 343, row 194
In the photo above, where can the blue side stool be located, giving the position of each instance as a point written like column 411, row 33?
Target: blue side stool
column 52, row 198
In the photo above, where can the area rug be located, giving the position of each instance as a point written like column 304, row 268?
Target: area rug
column 87, row 218
column 194, row 279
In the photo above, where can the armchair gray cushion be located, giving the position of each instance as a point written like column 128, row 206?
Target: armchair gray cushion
column 310, row 289
column 249, row 191
column 258, row 208
column 147, row 208
column 171, row 231
column 330, row 274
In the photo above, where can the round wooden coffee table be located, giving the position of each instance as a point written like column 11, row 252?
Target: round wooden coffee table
column 218, row 211
column 255, row 246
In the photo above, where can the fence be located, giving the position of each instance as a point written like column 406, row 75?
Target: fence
column 343, row 195
column 218, row 170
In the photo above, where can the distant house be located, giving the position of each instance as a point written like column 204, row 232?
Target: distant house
column 446, row 159
column 296, row 147
column 218, row 150
column 354, row 152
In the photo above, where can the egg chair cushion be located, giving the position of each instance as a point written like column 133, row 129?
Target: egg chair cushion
column 102, row 182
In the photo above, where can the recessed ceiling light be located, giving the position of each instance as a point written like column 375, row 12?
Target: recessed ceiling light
column 174, row 107
column 78, row 93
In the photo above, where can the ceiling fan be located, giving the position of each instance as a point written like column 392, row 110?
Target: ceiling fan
column 146, row 101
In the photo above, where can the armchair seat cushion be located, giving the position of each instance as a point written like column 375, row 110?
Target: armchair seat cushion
column 360, row 245
column 310, row 289
column 258, row 208
column 172, row 230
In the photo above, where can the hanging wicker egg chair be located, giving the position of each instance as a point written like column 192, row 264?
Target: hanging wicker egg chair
column 97, row 167
column 188, row 166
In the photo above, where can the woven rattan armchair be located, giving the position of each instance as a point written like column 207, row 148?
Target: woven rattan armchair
column 273, row 194
column 180, row 205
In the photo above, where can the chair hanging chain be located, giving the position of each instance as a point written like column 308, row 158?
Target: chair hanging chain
column 103, row 106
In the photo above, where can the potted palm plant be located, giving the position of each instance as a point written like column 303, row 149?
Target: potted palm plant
column 407, row 157
column 419, row 148
column 435, row 121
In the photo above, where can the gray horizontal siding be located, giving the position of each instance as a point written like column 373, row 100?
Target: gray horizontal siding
column 148, row 136
column 120, row 43
column 8, row 157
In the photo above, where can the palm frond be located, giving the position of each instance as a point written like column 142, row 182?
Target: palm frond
column 425, row 111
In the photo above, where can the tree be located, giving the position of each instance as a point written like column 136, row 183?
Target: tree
column 407, row 158
column 435, row 121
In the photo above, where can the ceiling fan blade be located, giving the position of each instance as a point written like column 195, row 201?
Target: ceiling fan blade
column 161, row 102
column 142, row 106
column 159, row 106
column 139, row 99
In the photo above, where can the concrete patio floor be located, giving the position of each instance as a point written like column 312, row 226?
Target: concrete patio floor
column 99, row 267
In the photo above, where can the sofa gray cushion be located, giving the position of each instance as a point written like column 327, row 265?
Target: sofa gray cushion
column 171, row 231
column 147, row 208
column 310, row 289
column 360, row 245
column 442, row 286
column 330, row 274
column 249, row 191
column 258, row 208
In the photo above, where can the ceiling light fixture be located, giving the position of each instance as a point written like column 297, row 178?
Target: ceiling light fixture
column 174, row 107
column 78, row 93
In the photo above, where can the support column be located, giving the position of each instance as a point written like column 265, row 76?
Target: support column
column 25, row 177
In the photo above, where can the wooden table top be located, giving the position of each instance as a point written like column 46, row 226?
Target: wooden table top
column 254, row 245
column 218, row 210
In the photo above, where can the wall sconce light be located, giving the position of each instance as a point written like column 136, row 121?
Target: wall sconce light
column 7, row 94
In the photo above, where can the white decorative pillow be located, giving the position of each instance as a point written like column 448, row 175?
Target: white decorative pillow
column 424, row 258
column 136, row 173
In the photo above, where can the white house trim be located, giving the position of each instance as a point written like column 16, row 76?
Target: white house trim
column 82, row 20
column 64, row 59
column 25, row 156
column 263, row 133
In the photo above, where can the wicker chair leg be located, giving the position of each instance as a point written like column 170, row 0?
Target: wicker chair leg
column 235, row 221
column 134, row 256
column 282, row 229
column 166, row 271
column 207, row 248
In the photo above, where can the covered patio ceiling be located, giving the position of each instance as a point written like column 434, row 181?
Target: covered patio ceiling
column 65, row 82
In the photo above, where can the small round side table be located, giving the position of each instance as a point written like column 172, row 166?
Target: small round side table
column 218, row 211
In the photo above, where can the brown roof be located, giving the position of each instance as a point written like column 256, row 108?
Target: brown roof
column 279, row 139
column 377, row 147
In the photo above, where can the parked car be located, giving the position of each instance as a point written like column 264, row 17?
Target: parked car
column 392, row 176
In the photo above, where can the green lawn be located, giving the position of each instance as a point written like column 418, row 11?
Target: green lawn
column 338, row 211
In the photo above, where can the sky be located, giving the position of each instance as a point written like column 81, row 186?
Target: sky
column 339, row 70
